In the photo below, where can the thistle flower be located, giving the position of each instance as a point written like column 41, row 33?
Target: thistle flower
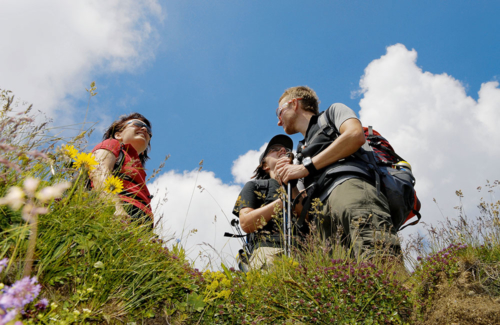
column 85, row 160
column 15, row 198
column 70, row 151
column 113, row 185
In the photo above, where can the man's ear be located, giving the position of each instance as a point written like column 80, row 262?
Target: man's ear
column 296, row 105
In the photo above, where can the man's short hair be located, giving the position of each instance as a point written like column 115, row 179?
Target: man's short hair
column 310, row 101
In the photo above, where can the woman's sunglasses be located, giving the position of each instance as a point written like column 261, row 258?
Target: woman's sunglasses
column 141, row 124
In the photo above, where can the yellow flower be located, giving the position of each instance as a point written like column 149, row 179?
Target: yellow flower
column 213, row 285
column 219, row 275
column 85, row 160
column 225, row 282
column 113, row 185
column 224, row 294
column 70, row 151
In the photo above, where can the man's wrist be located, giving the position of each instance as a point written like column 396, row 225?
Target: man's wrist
column 308, row 164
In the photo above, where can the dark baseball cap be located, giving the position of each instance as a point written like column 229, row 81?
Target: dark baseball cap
column 282, row 139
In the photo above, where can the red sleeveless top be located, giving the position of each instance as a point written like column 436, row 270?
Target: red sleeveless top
column 132, row 174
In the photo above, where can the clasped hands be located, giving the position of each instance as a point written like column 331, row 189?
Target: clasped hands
column 285, row 171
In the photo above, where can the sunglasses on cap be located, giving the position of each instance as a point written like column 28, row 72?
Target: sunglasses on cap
column 277, row 148
column 140, row 125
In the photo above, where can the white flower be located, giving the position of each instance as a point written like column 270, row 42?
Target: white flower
column 99, row 265
column 15, row 198
column 30, row 185
column 86, row 311
column 76, row 312
column 30, row 210
column 51, row 192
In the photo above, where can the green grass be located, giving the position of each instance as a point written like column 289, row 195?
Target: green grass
column 95, row 268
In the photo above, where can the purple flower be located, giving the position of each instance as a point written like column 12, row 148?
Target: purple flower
column 9, row 316
column 21, row 293
column 3, row 264
column 42, row 304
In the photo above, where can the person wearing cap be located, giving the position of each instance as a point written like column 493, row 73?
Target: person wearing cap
column 353, row 206
column 257, row 202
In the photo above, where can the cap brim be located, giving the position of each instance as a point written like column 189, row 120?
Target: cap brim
column 282, row 139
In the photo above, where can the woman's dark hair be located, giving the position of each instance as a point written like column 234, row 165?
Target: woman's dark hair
column 119, row 124
column 259, row 172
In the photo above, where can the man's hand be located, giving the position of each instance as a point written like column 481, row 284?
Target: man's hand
column 286, row 171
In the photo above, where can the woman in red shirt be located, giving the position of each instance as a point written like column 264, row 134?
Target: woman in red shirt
column 123, row 153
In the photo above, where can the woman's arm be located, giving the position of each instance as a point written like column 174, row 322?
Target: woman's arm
column 106, row 160
column 254, row 219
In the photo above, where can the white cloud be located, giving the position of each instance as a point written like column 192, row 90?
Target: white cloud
column 244, row 166
column 206, row 213
column 448, row 137
column 53, row 48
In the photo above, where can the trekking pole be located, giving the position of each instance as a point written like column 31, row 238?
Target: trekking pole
column 289, row 219
column 287, row 215
column 285, row 227
column 235, row 223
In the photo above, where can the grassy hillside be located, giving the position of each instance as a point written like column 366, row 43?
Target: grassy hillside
column 86, row 266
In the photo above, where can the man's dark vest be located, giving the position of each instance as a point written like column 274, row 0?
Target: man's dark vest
column 319, row 136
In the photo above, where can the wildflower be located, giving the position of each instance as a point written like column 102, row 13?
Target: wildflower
column 30, row 210
column 85, row 160
column 51, row 192
column 113, row 185
column 53, row 305
column 225, row 282
column 90, row 290
column 99, row 265
column 21, row 293
column 3, row 264
column 9, row 316
column 30, row 185
column 86, row 311
column 70, row 151
column 213, row 285
column 14, row 199
column 76, row 312
column 224, row 294
column 42, row 304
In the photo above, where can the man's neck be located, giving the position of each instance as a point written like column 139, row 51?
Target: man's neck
column 303, row 122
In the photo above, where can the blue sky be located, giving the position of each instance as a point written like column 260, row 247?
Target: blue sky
column 220, row 67
column 209, row 74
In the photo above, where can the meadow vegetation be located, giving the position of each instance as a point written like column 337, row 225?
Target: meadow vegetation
column 66, row 259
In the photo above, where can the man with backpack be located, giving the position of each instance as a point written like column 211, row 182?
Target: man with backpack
column 335, row 169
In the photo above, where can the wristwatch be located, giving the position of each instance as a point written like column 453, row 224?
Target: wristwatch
column 308, row 164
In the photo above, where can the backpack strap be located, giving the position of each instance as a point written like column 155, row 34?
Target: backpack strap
column 365, row 154
column 119, row 161
column 262, row 185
